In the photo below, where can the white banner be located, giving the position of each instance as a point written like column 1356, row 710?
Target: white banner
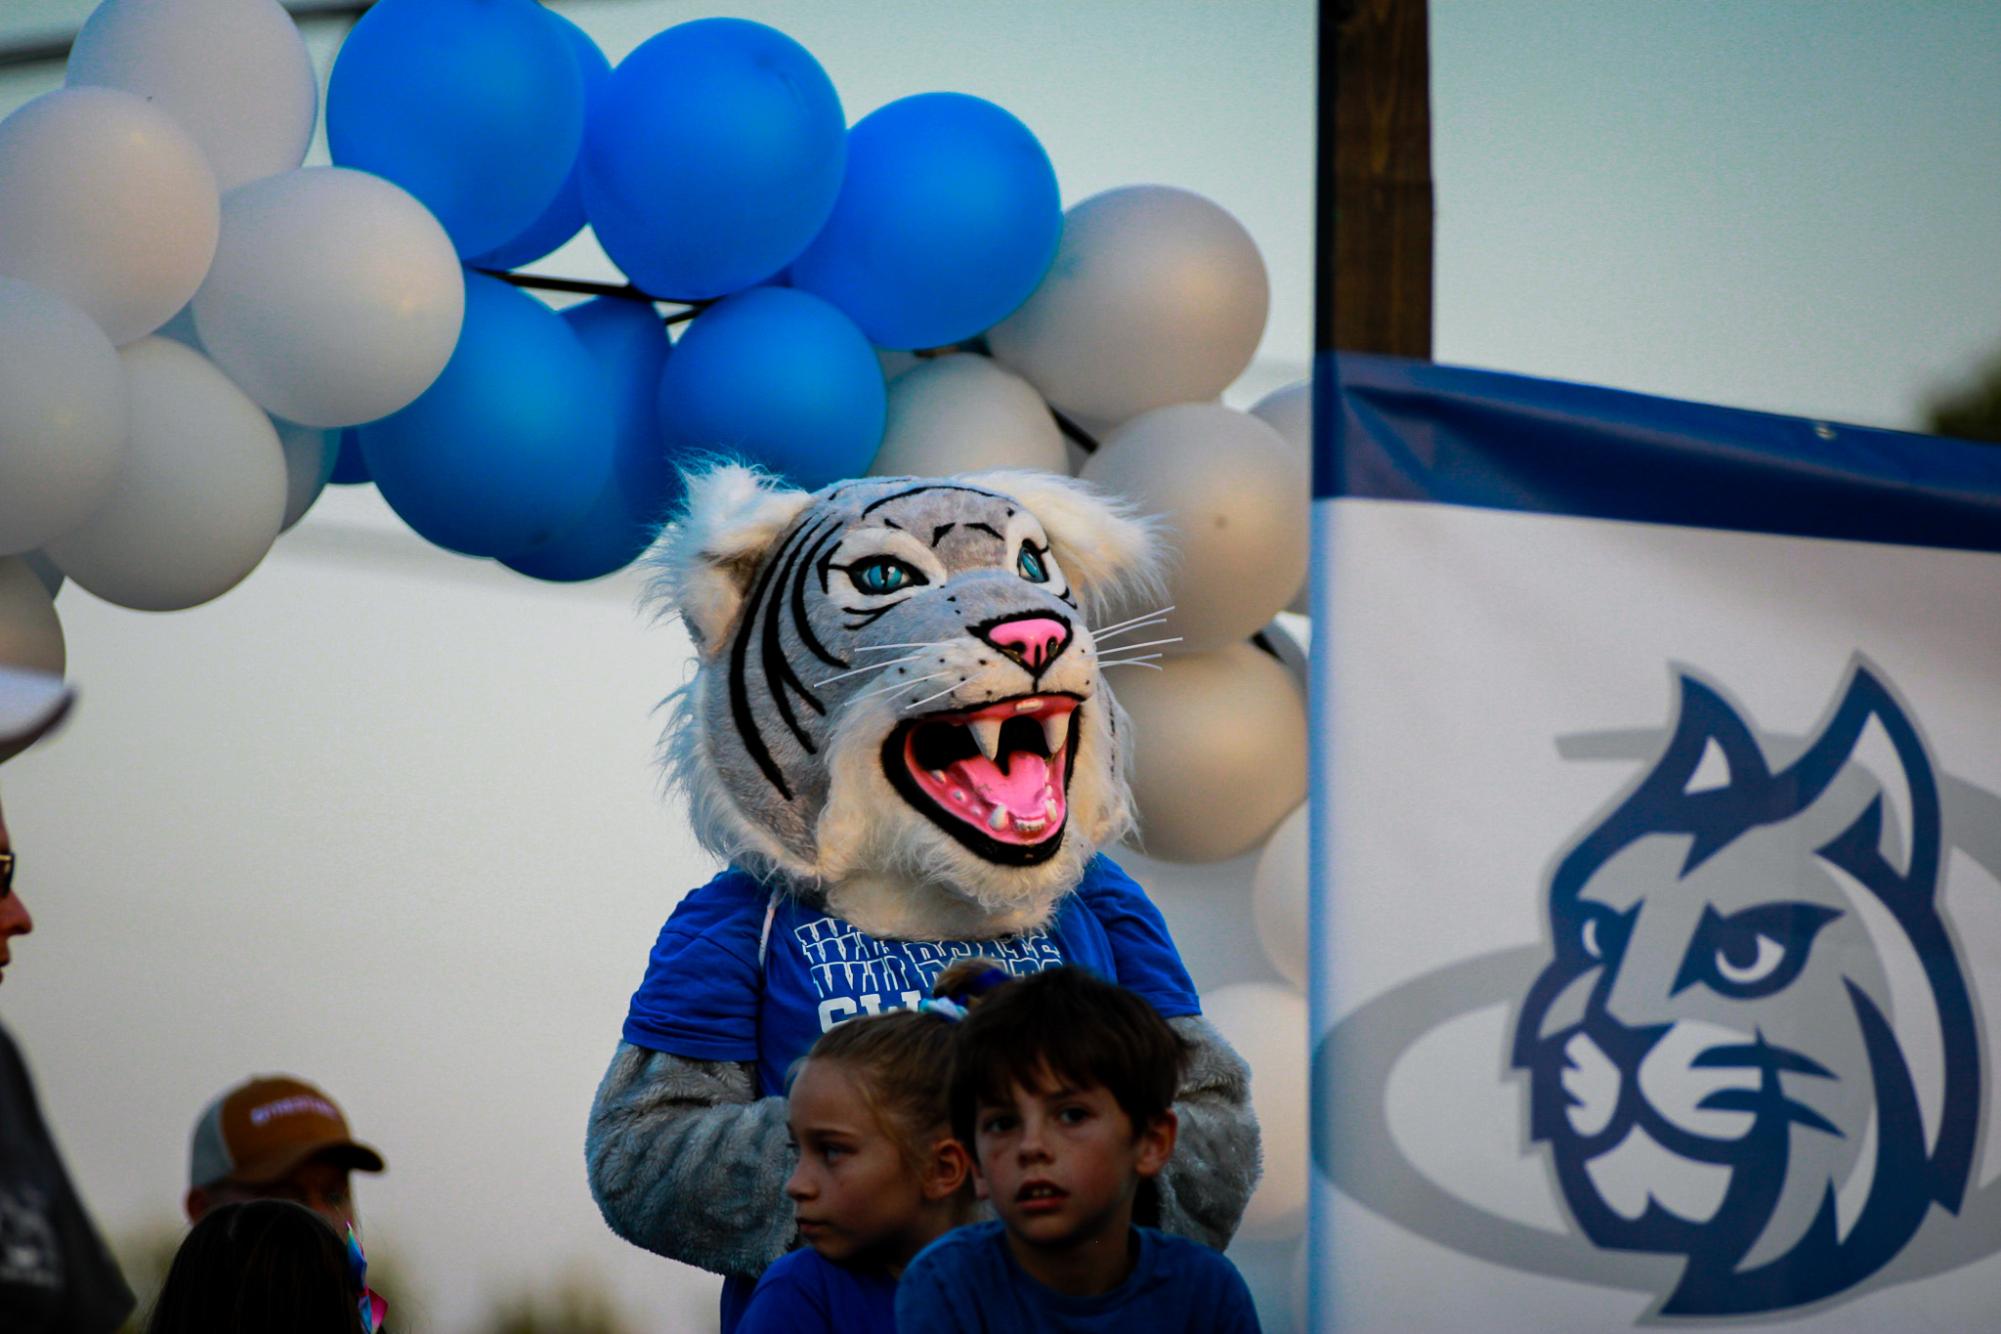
column 1658, row 927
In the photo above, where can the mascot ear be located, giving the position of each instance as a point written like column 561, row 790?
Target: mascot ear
column 712, row 548
column 1112, row 554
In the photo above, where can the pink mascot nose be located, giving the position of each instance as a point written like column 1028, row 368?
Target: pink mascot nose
column 1032, row 641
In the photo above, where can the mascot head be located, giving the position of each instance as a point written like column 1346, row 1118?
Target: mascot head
column 899, row 691
column 1753, row 1045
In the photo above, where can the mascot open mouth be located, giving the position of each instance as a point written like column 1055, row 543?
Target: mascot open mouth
column 996, row 778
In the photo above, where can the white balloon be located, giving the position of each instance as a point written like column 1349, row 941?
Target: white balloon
column 1219, row 751
column 30, row 634
column 1268, row 1026
column 63, row 418
column 105, row 200
column 1096, row 431
column 1157, row 296
column 961, row 413
column 234, row 73
column 201, row 495
column 1237, row 502
column 1279, row 896
column 1289, row 411
column 336, row 297
column 306, row 465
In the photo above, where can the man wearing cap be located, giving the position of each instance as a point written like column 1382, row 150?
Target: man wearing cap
column 55, row 1274
column 276, row 1138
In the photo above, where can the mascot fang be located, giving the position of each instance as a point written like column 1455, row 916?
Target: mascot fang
column 899, row 738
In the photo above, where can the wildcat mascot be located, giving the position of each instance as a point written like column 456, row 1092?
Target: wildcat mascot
column 899, row 737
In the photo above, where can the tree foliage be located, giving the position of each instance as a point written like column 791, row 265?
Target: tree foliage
column 1972, row 411
column 577, row 1305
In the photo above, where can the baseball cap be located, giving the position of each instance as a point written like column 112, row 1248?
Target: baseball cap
column 265, row 1127
column 31, row 703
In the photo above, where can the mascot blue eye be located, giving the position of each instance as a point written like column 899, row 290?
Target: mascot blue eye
column 883, row 574
column 1603, row 932
column 1754, row 952
column 1031, row 566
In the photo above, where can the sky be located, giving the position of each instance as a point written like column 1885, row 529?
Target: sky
column 1780, row 205
column 387, row 816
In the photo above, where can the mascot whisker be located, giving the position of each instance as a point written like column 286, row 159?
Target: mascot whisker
column 899, row 739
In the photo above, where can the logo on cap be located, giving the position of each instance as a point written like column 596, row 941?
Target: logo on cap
column 293, row 1107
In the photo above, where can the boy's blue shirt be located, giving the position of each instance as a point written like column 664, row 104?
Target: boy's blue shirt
column 742, row 974
column 967, row 1282
column 805, row 1293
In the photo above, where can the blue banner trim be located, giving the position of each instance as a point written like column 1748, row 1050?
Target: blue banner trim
column 1413, row 430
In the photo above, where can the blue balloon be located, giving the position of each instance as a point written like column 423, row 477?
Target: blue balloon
column 349, row 468
column 564, row 217
column 476, row 107
column 948, row 218
column 510, row 445
column 780, row 377
column 629, row 345
column 713, row 158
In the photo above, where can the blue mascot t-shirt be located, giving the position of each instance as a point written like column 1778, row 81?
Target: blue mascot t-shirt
column 968, row 1282
column 742, row 974
column 805, row 1293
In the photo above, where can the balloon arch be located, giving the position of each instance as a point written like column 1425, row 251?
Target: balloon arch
column 198, row 334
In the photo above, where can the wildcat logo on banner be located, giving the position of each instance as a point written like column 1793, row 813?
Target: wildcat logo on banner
column 1661, row 860
column 1721, row 902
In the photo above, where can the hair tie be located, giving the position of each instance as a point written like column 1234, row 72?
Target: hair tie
column 949, row 1010
column 981, row 985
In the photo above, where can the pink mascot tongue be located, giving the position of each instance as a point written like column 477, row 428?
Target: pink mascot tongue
column 1020, row 782
column 1016, row 796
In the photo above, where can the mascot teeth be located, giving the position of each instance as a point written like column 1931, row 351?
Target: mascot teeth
column 998, row 773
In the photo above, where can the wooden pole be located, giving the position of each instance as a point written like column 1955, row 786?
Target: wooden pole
column 1375, row 154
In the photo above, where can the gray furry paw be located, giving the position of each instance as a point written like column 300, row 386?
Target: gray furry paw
column 687, row 1162
column 1217, row 1160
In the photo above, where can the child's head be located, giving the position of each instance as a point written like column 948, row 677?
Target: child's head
column 1063, row 1087
column 879, row 1175
column 259, row 1265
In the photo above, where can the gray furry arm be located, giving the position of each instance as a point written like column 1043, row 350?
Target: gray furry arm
column 685, row 1160
column 1216, row 1160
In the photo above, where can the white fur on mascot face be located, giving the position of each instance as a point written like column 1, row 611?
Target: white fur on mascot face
column 899, row 685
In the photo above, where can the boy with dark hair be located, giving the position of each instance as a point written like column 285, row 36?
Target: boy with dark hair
column 1063, row 1087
